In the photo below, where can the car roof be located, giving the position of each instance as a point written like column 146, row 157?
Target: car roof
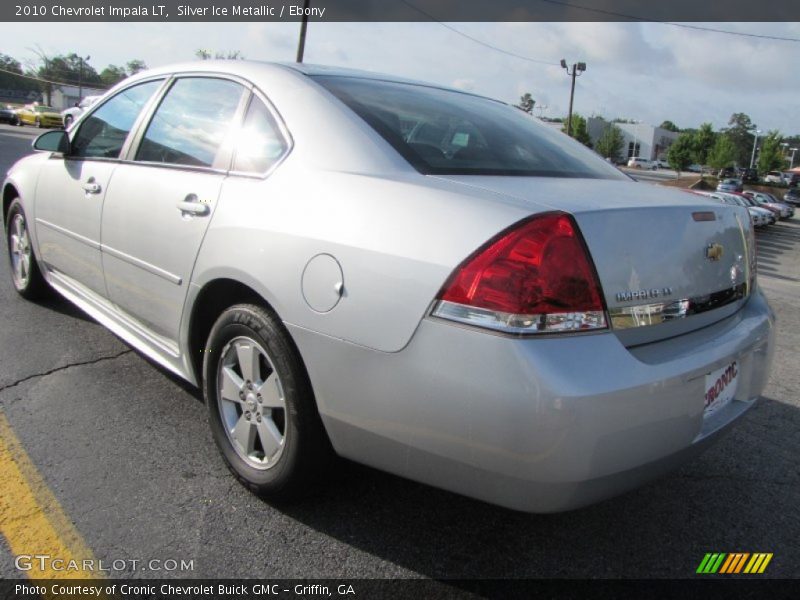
column 252, row 69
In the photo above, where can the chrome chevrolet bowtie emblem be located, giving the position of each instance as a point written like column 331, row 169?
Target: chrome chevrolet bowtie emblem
column 714, row 251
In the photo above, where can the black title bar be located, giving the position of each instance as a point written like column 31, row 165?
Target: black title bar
column 402, row 10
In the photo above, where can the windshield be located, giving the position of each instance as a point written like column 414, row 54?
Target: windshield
column 450, row 133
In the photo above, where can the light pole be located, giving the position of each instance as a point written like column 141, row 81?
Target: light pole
column 577, row 69
column 301, row 44
column 791, row 161
column 753, row 155
column 80, row 77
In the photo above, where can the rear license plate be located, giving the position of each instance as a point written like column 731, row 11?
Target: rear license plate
column 721, row 387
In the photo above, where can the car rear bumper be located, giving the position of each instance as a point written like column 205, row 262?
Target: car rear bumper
column 538, row 425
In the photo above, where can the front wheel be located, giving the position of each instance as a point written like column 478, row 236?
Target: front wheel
column 262, row 411
column 25, row 273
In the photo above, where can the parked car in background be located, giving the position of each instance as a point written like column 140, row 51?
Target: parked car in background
column 771, row 215
column 748, row 175
column 770, row 202
column 661, row 163
column 792, row 197
column 641, row 163
column 39, row 115
column 695, row 168
column 726, row 173
column 774, row 177
column 8, row 114
column 730, row 185
column 792, row 179
column 70, row 114
column 552, row 334
column 759, row 217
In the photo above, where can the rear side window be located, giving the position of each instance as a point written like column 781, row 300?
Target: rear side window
column 103, row 133
column 259, row 144
column 192, row 122
column 445, row 132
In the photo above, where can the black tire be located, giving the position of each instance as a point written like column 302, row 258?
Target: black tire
column 34, row 287
column 306, row 453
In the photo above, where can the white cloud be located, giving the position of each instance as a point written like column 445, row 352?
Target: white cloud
column 646, row 71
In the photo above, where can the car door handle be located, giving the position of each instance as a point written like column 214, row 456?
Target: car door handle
column 92, row 187
column 192, row 206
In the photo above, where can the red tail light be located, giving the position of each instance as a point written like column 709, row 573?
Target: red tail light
column 535, row 278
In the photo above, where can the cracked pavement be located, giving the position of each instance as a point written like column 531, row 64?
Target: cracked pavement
column 125, row 448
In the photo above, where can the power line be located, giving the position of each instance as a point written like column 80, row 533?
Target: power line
column 671, row 24
column 600, row 11
column 478, row 41
column 98, row 86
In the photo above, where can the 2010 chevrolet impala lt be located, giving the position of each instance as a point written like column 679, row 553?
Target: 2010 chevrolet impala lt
column 420, row 279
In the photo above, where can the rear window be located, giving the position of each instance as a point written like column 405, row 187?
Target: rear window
column 443, row 132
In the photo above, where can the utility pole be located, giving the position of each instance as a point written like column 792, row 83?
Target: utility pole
column 301, row 45
column 791, row 163
column 577, row 70
column 755, row 142
column 80, row 77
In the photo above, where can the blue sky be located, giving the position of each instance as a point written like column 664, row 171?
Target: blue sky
column 643, row 71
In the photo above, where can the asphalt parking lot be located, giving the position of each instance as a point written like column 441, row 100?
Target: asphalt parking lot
column 125, row 450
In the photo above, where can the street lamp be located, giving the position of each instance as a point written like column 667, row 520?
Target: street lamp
column 80, row 77
column 577, row 69
column 301, row 43
column 791, row 162
column 753, row 155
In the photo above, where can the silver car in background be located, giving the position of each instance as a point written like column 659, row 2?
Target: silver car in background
column 415, row 278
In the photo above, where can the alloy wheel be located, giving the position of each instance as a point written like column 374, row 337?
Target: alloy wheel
column 251, row 403
column 20, row 247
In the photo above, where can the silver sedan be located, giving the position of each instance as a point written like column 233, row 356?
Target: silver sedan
column 416, row 278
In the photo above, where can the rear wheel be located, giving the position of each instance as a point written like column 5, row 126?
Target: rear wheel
column 262, row 411
column 25, row 273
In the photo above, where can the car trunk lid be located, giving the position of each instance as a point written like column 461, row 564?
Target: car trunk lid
column 668, row 261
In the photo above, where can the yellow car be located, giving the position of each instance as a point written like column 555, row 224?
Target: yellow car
column 40, row 116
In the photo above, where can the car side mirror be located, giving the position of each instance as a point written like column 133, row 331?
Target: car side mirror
column 52, row 141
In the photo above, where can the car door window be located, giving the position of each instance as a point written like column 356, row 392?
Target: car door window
column 260, row 143
column 103, row 133
column 192, row 122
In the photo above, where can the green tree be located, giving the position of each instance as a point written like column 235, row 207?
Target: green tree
column 680, row 153
column 526, row 103
column 702, row 142
column 670, row 126
column 112, row 75
column 69, row 68
column 579, row 130
column 9, row 78
column 134, row 66
column 610, row 143
column 203, row 54
column 770, row 157
column 723, row 154
column 740, row 133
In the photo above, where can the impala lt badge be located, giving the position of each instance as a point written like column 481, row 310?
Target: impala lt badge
column 714, row 251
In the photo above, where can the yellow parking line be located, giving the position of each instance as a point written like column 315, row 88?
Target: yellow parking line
column 31, row 519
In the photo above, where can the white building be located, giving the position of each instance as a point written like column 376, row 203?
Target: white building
column 66, row 96
column 639, row 139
